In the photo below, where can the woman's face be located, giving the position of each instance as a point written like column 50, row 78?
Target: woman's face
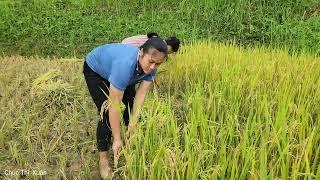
column 151, row 60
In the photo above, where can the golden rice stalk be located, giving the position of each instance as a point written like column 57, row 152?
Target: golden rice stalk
column 52, row 89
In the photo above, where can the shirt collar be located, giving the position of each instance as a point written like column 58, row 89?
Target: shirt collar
column 138, row 68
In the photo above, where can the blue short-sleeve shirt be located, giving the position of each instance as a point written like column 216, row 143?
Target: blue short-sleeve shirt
column 117, row 63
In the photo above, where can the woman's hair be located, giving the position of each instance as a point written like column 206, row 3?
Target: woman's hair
column 152, row 34
column 156, row 43
column 174, row 42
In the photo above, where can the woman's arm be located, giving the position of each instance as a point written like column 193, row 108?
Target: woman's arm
column 115, row 96
column 138, row 101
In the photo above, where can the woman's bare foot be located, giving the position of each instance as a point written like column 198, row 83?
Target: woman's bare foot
column 105, row 170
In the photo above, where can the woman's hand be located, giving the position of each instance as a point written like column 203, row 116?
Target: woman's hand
column 116, row 147
column 130, row 130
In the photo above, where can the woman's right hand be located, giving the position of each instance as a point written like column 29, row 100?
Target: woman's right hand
column 130, row 130
column 116, row 147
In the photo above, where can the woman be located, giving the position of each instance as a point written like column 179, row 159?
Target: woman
column 113, row 70
column 173, row 44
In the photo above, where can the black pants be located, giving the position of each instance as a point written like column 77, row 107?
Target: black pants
column 97, row 87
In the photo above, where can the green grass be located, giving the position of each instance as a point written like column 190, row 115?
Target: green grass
column 71, row 28
column 220, row 111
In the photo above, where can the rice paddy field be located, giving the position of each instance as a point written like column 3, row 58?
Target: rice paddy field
column 219, row 112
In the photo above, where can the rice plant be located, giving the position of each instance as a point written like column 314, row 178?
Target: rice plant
column 220, row 111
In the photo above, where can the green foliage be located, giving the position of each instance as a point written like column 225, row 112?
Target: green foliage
column 66, row 28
